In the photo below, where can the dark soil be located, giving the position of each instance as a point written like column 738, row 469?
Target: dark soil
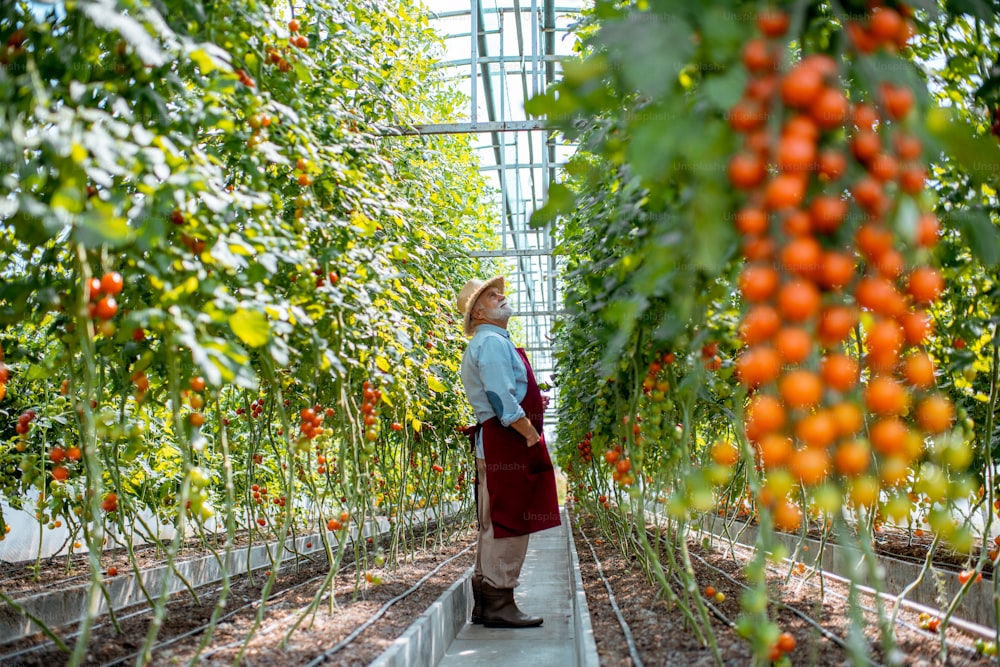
column 36, row 576
column 355, row 602
column 661, row 637
column 660, row 634
column 898, row 542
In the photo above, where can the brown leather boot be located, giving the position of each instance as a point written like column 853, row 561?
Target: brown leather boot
column 477, row 599
column 500, row 610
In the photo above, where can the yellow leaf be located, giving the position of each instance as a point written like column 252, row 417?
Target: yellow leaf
column 435, row 384
column 205, row 62
column 385, row 399
column 78, row 153
column 415, row 424
column 366, row 225
column 382, row 363
column 250, row 326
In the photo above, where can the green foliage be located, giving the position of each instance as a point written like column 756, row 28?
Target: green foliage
column 276, row 238
column 645, row 226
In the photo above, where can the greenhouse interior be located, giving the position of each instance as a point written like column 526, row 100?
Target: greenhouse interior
column 499, row 332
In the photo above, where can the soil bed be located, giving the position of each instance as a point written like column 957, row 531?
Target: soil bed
column 292, row 593
column 898, row 542
column 59, row 571
column 661, row 638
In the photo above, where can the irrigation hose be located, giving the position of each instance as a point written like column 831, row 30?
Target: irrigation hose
column 200, row 628
column 866, row 590
column 629, row 639
column 318, row 660
column 805, row 617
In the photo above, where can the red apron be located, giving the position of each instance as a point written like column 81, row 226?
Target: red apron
column 520, row 479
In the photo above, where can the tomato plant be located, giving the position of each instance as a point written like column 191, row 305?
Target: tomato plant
column 780, row 203
column 221, row 272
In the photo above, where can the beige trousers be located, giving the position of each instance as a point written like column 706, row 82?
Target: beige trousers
column 498, row 560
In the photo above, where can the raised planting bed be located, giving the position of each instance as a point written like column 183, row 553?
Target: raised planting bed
column 976, row 606
column 63, row 604
column 372, row 605
column 655, row 634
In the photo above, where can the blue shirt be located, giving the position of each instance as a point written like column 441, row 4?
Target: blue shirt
column 494, row 377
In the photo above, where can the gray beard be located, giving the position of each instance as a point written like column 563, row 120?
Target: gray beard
column 501, row 314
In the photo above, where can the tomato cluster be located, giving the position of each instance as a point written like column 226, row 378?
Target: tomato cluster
column 620, row 464
column 369, row 411
column 335, row 524
column 824, row 180
column 101, row 293
column 311, row 424
column 282, row 58
column 584, row 447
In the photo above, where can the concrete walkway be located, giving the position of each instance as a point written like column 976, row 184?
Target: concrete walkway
column 548, row 590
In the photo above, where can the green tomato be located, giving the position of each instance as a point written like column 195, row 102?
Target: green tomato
column 677, row 507
column 827, row 498
column 718, row 474
column 958, row 454
column 779, row 553
column 206, row 511
column 898, row 507
column 198, row 477
column 932, row 482
column 753, row 601
column 940, row 522
column 962, row 487
column 962, row 540
column 702, row 498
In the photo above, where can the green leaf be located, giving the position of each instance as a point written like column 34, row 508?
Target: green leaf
column 561, row 201
column 657, row 138
column 979, row 156
column 979, row 8
column 251, row 327
column 105, row 14
column 649, row 50
column 205, row 62
column 725, row 90
column 722, row 35
column 712, row 231
column 99, row 226
column 980, row 233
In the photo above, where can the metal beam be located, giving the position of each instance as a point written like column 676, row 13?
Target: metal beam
column 464, row 62
column 518, row 165
column 539, row 313
column 471, row 128
column 495, row 10
column 531, row 252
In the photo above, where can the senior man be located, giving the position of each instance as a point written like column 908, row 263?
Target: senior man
column 515, row 482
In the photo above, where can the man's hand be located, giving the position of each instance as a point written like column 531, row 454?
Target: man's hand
column 527, row 429
column 545, row 402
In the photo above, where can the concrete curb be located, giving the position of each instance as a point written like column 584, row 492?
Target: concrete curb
column 585, row 645
column 427, row 639
column 60, row 607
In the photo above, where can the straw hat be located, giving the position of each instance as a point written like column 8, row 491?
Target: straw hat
column 468, row 296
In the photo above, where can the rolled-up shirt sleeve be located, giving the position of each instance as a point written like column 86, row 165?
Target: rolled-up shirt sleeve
column 499, row 381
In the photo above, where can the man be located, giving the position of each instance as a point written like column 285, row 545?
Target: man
column 515, row 482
